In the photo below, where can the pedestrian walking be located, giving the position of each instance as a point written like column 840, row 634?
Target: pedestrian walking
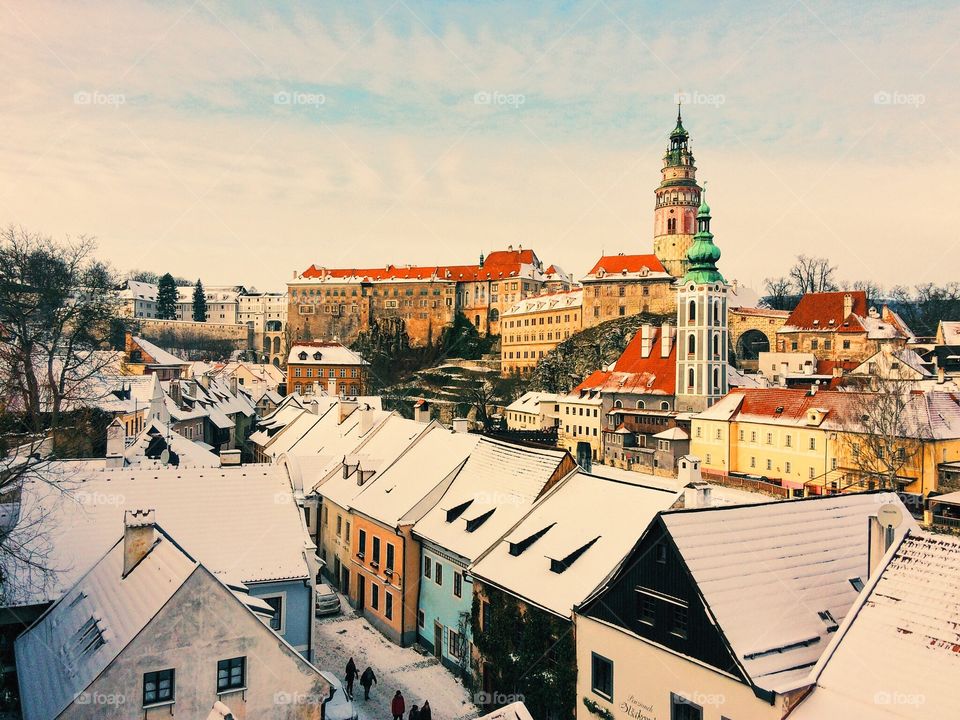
column 398, row 707
column 366, row 680
column 350, row 676
column 425, row 710
column 414, row 713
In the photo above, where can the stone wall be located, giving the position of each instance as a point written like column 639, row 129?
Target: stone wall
column 241, row 334
column 741, row 321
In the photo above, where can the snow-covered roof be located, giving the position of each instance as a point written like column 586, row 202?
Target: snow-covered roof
column 323, row 353
column 560, row 552
column 239, row 520
column 189, row 453
column 766, row 571
column 530, row 401
column 552, row 302
column 397, row 491
column 159, row 355
column 53, row 665
column 896, row 655
column 674, row 433
column 494, row 489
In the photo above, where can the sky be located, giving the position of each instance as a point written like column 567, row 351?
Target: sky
column 241, row 142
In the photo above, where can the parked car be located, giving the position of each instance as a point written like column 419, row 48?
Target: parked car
column 340, row 707
column 327, row 601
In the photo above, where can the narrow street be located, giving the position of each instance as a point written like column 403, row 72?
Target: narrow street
column 419, row 677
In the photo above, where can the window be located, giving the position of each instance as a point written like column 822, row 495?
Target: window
column 679, row 622
column 277, row 621
column 454, row 648
column 786, row 466
column 376, row 550
column 484, row 614
column 813, row 443
column 421, row 618
column 339, row 524
column 361, row 542
column 601, row 676
column 683, row 709
column 789, row 441
column 388, row 605
column 390, row 552
column 660, row 552
column 457, row 585
column 646, row 609
column 375, row 596
column 158, row 687
column 231, row 674
column 769, row 464
column 438, row 573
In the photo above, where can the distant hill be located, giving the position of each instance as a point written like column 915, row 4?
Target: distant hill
column 592, row 349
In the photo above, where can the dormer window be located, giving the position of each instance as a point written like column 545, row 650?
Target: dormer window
column 316, row 356
column 558, row 566
column 517, row 547
column 302, row 356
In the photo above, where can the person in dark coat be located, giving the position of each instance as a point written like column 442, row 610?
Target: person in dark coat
column 425, row 710
column 414, row 713
column 398, row 707
column 366, row 680
column 350, row 676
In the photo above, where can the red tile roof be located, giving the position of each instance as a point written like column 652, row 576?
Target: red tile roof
column 633, row 373
column 824, row 311
column 498, row 264
column 796, row 403
column 615, row 264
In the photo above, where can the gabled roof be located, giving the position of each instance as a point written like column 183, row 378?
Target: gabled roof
column 323, row 353
column 558, row 301
column 256, row 534
column 628, row 266
column 635, row 374
column 189, row 453
column 898, row 654
column 530, row 401
column 53, row 662
column 160, row 356
column 561, row 550
column 498, row 476
column 825, row 311
column 767, row 571
column 395, row 492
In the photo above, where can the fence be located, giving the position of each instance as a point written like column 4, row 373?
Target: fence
column 736, row 481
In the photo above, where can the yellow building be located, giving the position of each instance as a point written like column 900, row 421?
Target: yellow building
column 818, row 443
column 533, row 327
column 579, row 430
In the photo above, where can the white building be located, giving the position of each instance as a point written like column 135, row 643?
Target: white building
column 138, row 300
column 149, row 632
column 533, row 411
column 222, row 303
column 266, row 313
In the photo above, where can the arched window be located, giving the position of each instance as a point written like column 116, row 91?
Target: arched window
column 691, row 344
column 716, row 345
column 716, row 312
column 692, row 311
column 716, row 379
column 641, row 405
column 617, row 404
column 276, row 345
column 494, row 314
column 664, row 405
column 691, row 378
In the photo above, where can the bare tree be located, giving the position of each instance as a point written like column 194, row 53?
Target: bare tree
column 873, row 291
column 886, row 431
column 780, row 295
column 812, row 275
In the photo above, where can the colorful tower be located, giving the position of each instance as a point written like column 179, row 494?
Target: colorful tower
column 702, row 336
column 677, row 198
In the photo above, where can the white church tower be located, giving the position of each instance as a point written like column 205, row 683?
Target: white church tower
column 702, row 336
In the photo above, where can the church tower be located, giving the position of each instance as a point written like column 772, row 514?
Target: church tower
column 702, row 336
column 677, row 198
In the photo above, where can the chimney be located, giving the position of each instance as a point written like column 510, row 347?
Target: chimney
column 175, row 393
column 346, row 407
column 421, row 411
column 697, row 495
column 139, row 534
column 314, row 406
column 813, row 388
column 233, row 384
column 847, row 305
column 646, row 339
column 461, row 425
column 366, row 418
column 879, row 540
column 688, row 470
column 332, row 387
column 229, row 458
column 666, row 339
column 116, row 439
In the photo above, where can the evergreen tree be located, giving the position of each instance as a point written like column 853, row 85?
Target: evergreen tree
column 167, row 298
column 199, row 303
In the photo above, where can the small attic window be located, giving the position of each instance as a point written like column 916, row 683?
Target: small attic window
column 831, row 321
column 828, row 620
column 88, row 638
column 476, row 522
column 302, row 356
column 455, row 512
column 816, row 322
column 558, row 566
column 857, row 584
column 316, row 356
column 779, row 409
column 516, row 548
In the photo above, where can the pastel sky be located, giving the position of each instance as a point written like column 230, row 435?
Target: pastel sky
column 239, row 142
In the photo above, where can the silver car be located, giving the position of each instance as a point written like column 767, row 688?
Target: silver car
column 340, row 707
column 326, row 602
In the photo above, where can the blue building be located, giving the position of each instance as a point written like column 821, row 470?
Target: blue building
column 489, row 494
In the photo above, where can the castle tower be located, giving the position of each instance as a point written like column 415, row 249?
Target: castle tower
column 677, row 198
column 702, row 336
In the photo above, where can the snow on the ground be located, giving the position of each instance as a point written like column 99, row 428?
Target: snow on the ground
column 419, row 677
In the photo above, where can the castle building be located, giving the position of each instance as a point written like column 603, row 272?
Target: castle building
column 702, row 336
column 677, row 199
column 533, row 327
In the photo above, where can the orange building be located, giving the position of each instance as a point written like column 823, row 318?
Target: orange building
column 336, row 369
column 622, row 285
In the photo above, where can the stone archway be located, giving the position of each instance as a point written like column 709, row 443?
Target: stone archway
column 749, row 346
column 752, row 331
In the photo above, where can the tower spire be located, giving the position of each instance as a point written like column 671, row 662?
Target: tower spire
column 703, row 254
